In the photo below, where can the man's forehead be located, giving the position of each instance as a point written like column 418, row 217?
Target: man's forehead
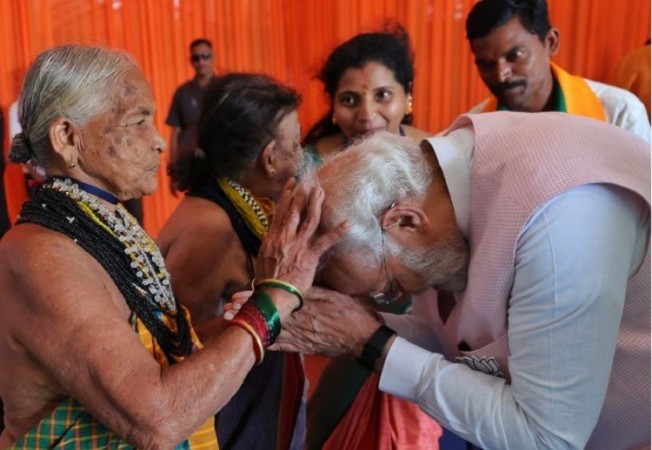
column 201, row 47
column 504, row 37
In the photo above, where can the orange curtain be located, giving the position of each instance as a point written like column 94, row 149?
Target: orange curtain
column 289, row 39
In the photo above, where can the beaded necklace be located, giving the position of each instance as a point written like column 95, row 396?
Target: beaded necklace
column 106, row 236
column 247, row 205
column 146, row 259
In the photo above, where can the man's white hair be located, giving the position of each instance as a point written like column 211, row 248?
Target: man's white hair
column 363, row 182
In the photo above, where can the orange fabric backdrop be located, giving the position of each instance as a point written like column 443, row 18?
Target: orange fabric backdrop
column 289, row 39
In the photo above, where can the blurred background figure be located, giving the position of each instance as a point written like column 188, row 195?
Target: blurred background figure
column 369, row 82
column 248, row 148
column 183, row 114
column 633, row 73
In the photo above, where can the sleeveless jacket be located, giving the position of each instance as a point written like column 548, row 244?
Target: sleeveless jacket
column 511, row 176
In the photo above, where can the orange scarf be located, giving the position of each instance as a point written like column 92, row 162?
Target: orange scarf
column 379, row 421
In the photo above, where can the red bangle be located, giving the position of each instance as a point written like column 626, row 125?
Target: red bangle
column 259, row 350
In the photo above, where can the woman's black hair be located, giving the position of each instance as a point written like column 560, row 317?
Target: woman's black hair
column 239, row 117
column 487, row 15
column 391, row 48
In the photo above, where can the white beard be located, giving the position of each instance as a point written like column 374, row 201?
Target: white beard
column 443, row 265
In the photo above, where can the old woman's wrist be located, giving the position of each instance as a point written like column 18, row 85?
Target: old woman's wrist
column 261, row 319
column 274, row 283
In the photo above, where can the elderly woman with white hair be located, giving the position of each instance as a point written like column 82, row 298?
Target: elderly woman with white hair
column 94, row 348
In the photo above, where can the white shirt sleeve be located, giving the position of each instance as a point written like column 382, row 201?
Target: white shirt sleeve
column 418, row 325
column 573, row 261
column 623, row 109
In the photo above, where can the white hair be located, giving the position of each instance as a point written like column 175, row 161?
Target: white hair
column 363, row 182
column 71, row 81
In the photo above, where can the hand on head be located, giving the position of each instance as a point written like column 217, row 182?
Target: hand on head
column 291, row 250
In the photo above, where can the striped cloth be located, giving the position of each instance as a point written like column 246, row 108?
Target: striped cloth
column 71, row 427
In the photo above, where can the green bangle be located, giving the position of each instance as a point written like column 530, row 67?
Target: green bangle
column 287, row 287
column 267, row 307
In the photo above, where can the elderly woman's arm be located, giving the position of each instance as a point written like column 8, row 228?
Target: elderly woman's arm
column 68, row 323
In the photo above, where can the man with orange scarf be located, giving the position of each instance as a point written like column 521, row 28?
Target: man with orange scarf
column 513, row 41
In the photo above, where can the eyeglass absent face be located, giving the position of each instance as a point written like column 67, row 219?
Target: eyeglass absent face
column 369, row 99
column 515, row 65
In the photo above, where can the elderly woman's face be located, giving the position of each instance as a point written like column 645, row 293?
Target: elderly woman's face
column 121, row 148
column 369, row 99
column 289, row 153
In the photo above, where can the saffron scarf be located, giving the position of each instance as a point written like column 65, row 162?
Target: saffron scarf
column 575, row 96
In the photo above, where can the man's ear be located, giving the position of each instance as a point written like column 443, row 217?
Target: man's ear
column 405, row 218
column 65, row 140
column 552, row 41
column 267, row 157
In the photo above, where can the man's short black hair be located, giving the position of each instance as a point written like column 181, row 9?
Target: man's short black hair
column 200, row 41
column 487, row 15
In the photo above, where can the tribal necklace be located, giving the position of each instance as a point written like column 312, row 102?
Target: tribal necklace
column 146, row 259
column 123, row 248
column 254, row 211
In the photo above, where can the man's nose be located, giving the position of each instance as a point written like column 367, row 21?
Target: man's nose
column 503, row 71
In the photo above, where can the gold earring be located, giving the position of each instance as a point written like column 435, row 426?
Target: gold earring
column 334, row 120
column 409, row 105
column 72, row 163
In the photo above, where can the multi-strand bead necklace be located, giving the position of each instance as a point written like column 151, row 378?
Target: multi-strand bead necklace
column 146, row 259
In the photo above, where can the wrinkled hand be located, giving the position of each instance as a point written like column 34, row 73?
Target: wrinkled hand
column 329, row 324
column 290, row 251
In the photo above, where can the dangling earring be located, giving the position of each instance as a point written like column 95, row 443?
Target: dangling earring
column 408, row 110
column 71, row 162
column 334, row 120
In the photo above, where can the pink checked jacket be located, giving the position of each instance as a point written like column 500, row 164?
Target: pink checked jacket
column 510, row 180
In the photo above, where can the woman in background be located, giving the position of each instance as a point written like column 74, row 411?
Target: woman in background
column 248, row 148
column 369, row 83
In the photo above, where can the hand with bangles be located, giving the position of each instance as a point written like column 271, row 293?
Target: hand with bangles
column 85, row 286
column 286, row 265
column 320, row 328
